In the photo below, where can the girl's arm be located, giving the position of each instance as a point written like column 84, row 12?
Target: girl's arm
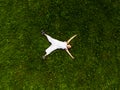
column 69, row 53
column 68, row 41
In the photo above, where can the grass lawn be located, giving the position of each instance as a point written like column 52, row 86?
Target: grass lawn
column 96, row 48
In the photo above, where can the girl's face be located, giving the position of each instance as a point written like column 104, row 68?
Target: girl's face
column 68, row 46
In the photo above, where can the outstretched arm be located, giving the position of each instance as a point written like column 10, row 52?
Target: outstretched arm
column 68, row 41
column 69, row 53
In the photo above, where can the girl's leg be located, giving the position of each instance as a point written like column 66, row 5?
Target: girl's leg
column 44, row 56
column 50, row 39
column 49, row 50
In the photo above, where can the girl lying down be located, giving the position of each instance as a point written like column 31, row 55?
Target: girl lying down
column 56, row 44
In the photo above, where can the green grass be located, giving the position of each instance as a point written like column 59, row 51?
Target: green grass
column 96, row 48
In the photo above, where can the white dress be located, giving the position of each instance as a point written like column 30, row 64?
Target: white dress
column 55, row 44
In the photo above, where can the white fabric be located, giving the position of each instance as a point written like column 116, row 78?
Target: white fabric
column 55, row 44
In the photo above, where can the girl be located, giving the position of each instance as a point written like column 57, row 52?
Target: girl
column 56, row 44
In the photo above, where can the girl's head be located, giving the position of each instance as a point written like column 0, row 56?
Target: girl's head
column 68, row 46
